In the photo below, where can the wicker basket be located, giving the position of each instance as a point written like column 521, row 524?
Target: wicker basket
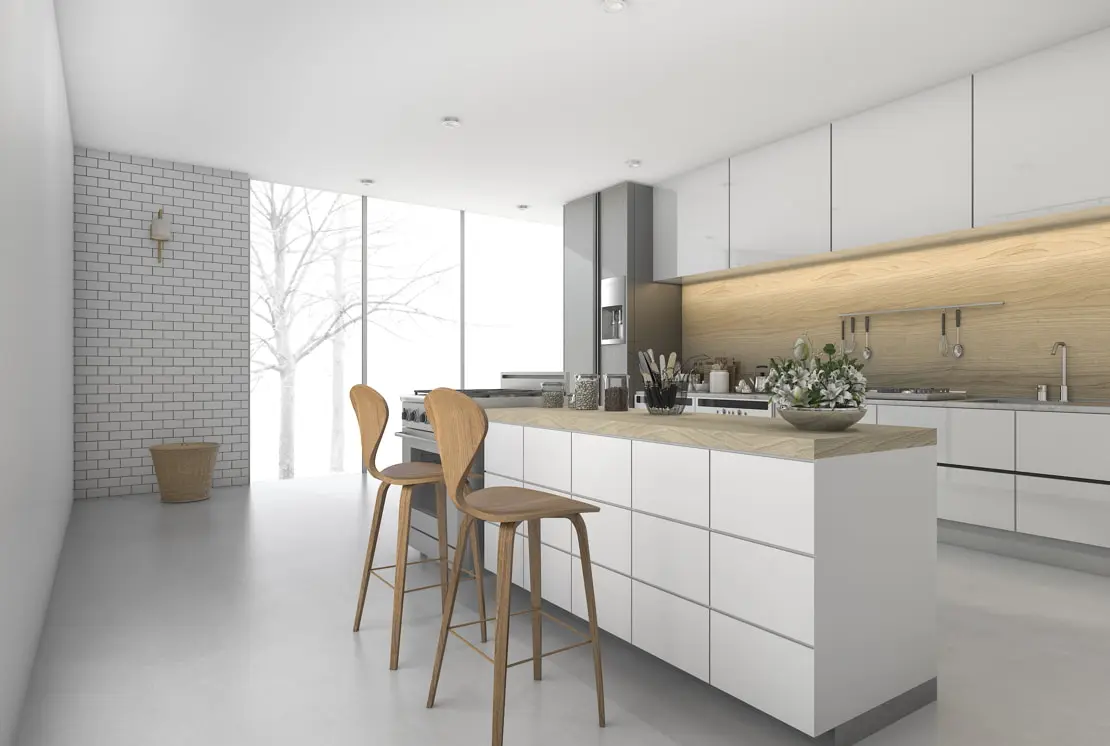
column 184, row 470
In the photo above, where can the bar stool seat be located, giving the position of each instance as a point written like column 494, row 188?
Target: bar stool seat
column 519, row 504
column 414, row 472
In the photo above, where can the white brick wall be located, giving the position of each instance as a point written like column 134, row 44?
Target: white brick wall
column 161, row 352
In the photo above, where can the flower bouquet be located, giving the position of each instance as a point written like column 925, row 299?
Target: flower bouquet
column 823, row 391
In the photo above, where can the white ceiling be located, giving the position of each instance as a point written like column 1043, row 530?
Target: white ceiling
column 555, row 95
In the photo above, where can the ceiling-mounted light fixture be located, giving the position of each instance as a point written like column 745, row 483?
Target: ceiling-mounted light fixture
column 366, row 182
column 614, row 6
column 451, row 122
column 632, row 163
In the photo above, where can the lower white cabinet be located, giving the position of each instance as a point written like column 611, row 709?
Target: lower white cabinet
column 765, row 586
column 671, row 628
column 671, row 555
column 610, row 535
column 520, row 554
column 613, row 596
column 871, row 416
column 496, row 480
column 504, row 450
column 1063, row 444
column 982, row 498
column 547, row 458
column 769, row 500
column 768, row 672
column 556, row 571
column 553, row 531
column 671, row 481
column 602, row 468
column 1060, row 509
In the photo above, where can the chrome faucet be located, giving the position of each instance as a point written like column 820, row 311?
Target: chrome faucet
column 1064, row 374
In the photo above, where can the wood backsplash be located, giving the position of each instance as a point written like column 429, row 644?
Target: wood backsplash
column 1055, row 283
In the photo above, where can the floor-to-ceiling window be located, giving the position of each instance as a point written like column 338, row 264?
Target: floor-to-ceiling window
column 339, row 282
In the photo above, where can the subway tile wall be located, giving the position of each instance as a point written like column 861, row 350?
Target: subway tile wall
column 161, row 350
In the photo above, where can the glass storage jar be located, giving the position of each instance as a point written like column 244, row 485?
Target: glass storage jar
column 586, row 391
column 615, row 395
column 553, row 392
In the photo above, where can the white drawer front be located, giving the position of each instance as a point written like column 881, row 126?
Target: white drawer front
column 602, row 468
column 766, row 671
column 556, row 570
column 672, row 629
column 1070, row 511
column 765, row 499
column 520, row 554
column 610, row 535
column 1064, row 444
column 981, row 498
column 547, row 458
column 980, row 437
column 765, row 586
column 671, row 481
column 613, row 596
column 672, row 556
column 553, row 531
column 504, row 450
column 871, row 416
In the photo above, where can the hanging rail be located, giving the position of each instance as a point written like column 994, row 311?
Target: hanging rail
column 949, row 307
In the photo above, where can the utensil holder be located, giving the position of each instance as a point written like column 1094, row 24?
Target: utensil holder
column 667, row 399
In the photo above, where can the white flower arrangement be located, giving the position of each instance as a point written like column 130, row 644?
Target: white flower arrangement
column 808, row 381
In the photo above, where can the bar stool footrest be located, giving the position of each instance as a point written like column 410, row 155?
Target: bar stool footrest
column 586, row 639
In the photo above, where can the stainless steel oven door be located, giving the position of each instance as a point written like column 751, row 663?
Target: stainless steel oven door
column 422, row 447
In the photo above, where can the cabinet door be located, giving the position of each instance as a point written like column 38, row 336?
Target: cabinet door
column 916, row 416
column 982, row 498
column 504, row 450
column 1040, row 132
column 610, row 533
column 671, row 555
column 613, row 596
column 691, row 222
column 555, row 532
column 1060, row 509
column 602, row 468
column 903, row 170
column 871, row 417
column 672, row 629
column 780, row 199
column 547, row 458
column 764, row 586
column 1065, row 444
column 980, row 437
column 556, row 569
column 671, row 481
column 767, row 672
column 766, row 499
column 520, row 554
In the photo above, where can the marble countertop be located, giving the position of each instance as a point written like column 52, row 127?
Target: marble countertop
column 754, row 435
column 1012, row 404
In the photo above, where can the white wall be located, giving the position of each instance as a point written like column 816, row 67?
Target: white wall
column 36, row 323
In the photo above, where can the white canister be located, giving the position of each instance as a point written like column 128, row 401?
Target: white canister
column 718, row 381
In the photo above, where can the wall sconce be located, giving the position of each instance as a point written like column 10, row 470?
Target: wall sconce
column 161, row 230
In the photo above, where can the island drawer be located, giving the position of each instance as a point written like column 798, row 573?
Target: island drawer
column 768, row 672
column 602, row 468
column 613, row 595
column 547, row 458
column 767, row 587
column 504, row 450
column 610, row 535
column 672, row 556
column 766, row 499
column 671, row 628
column 671, row 481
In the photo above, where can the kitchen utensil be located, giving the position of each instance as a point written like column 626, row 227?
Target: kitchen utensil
column 671, row 362
column 867, row 351
column 958, row 350
column 843, row 344
column 852, row 340
column 663, row 367
column 645, row 368
column 943, row 346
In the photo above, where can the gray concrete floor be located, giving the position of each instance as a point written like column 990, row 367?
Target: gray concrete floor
column 228, row 622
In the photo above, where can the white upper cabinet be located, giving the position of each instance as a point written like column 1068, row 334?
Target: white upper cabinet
column 779, row 200
column 691, row 223
column 1041, row 125
column 903, row 170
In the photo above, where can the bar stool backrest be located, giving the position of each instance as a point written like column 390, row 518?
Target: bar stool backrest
column 460, row 427
column 373, row 414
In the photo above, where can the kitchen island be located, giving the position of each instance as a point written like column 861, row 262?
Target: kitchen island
column 795, row 571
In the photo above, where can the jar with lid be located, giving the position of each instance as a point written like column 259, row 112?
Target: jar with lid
column 615, row 396
column 553, row 392
column 586, row 391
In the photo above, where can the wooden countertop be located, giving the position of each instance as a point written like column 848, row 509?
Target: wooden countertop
column 754, row 435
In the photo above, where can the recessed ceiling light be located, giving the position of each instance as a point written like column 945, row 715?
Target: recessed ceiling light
column 452, row 122
column 614, row 6
column 522, row 207
column 366, row 182
column 633, row 163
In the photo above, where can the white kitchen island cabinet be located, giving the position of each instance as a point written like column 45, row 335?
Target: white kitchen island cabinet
column 795, row 571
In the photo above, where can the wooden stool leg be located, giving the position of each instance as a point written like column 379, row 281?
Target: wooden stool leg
column 501, row 635
column 465, row 529
column 404, row 522
column 537, row 598
column 591, row 607
column 441, row 517
column 479, row 575
column 371, row 546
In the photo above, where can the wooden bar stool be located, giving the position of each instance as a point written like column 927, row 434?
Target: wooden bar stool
column 373, row 415
column 460, row 427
